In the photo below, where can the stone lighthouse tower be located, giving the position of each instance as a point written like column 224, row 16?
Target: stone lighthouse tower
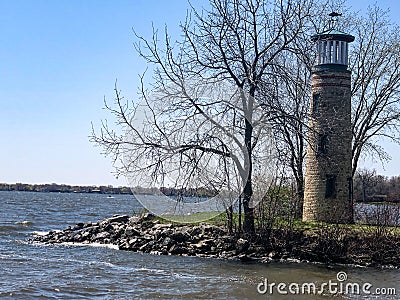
column 328, row 180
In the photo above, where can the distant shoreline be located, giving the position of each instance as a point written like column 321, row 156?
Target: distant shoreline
column 65, row 188
column 109, row 189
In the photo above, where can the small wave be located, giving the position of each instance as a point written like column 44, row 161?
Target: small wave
column 43, row 233
column 110, row 246
column 40, row 233
column 24, row 223
column 103, row 263
column 149, row 270
column 15, row 226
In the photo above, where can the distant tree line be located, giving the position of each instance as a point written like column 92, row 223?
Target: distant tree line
column 63, row 188
column 372, row 187
column 109, row 189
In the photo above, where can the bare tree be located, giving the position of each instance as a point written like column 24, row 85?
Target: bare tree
column 364, row 181
column 192, row 131
column 292, row 89
column 375, row 66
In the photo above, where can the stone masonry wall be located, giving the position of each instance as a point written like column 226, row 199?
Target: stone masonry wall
column 332, row 119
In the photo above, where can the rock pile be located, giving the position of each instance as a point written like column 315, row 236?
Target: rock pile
column 146, row 234
column 149, row 235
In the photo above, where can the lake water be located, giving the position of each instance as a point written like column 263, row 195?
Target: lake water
column 87, row 272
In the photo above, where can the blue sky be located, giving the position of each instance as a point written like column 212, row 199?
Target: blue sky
column 58, row 60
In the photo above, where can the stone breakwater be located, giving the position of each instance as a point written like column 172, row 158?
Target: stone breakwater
column 148, row 235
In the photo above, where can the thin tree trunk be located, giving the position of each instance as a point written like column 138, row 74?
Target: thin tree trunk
column 229, row 212
column 240, row 215
column 299, row 197
column 248, row 224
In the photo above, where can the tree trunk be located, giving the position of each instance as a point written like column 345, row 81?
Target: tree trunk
column 364, row 192
column 240, row 215
column 356, row 156
column 229, row 212
column 248, row 222
column 299, row 197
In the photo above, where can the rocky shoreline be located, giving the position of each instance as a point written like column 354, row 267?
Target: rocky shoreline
column 148, row 235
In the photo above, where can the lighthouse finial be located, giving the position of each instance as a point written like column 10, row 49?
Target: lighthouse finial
column 334, row 19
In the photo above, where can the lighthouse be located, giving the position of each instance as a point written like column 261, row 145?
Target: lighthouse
column 328, row 180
